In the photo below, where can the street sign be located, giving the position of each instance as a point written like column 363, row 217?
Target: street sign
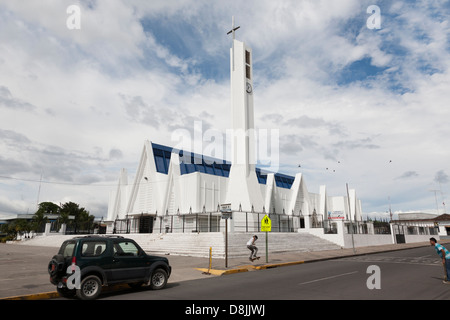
column 225, row 208
column 266, row 224
column 226, row 215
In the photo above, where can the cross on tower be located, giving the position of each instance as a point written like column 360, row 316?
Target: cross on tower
column 233, row 29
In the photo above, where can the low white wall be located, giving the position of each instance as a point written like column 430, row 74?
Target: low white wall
column 335, row 238
column 419, row 238
column 367, row 240
column 345, row 239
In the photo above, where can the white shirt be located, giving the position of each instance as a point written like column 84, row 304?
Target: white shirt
column 251, row 242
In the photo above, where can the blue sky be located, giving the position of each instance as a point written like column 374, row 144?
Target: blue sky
column 370, row 104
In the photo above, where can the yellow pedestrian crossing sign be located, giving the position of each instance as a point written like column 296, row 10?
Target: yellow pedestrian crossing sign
column 266, row 224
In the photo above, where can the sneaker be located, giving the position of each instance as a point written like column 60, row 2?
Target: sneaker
column 446, row 282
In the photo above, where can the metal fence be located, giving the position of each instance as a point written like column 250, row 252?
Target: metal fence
column 279, row 222
column 71, row 227
column 242, row 222
column 194, row 222
column 355, row 227
column 205, row 222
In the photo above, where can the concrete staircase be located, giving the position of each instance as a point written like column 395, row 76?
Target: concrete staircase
column 198, row 244
column 277, row 242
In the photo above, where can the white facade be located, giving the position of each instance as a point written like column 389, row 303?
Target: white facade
column 167, row 185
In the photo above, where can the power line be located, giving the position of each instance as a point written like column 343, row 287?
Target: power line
column 57, row 182
column 82, row 184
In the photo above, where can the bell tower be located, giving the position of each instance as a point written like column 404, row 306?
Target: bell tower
column 243, row 187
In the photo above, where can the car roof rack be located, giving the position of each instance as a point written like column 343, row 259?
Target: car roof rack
column 98, row 236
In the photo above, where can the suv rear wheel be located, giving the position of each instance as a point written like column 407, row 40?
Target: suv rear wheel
column 90, row 288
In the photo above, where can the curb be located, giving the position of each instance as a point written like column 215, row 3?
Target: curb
column 36, row 296
column 55, row 294
column 246, row 268
column 275, row 265
column 217, row 272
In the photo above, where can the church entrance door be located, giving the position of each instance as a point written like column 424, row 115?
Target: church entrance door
column 146, row 224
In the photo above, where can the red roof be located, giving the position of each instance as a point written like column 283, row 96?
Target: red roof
column 442, row 217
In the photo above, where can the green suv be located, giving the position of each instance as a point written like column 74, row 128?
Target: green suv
column 84, row 264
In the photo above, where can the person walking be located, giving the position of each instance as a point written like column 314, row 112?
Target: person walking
column 445, row 256
column 252, row 247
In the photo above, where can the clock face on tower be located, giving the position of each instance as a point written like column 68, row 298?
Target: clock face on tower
column 249, row 87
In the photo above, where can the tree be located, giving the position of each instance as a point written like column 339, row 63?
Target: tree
column 20, row 226
column 48, row 208
column 16, row 227
column 83, row 220
column 39, row 218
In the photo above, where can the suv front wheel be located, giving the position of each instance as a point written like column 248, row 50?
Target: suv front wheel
column 90, row 288
column 158, row 279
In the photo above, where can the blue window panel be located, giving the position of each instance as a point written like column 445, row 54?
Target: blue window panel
column 279, row 183
column 218, row 170
column 167, row 160
column 283, row 181
column 225, row 169
column 211, row 166
column 160, row 167
column 200, row 168
column 183, row 169
column 262, row 177
column 209, row 169
column 190, row 168
column 162, row 158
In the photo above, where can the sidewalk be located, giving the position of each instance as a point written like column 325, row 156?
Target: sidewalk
column 184, row 268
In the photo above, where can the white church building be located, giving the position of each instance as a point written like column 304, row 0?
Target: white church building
column 177, row 191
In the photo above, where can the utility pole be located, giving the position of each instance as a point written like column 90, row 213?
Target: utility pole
column 390, row 211
column 435, row 197
column 351, row 220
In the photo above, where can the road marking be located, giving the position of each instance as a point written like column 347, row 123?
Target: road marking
column 401, row 260
column 327, row 278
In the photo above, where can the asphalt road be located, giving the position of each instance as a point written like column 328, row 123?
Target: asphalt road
column 414, row 274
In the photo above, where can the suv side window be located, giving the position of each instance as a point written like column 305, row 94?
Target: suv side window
column 67, row 248
column 126, row 248
column 93, row 248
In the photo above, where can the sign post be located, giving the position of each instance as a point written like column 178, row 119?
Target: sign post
column 266, row 226
column 225, row 209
